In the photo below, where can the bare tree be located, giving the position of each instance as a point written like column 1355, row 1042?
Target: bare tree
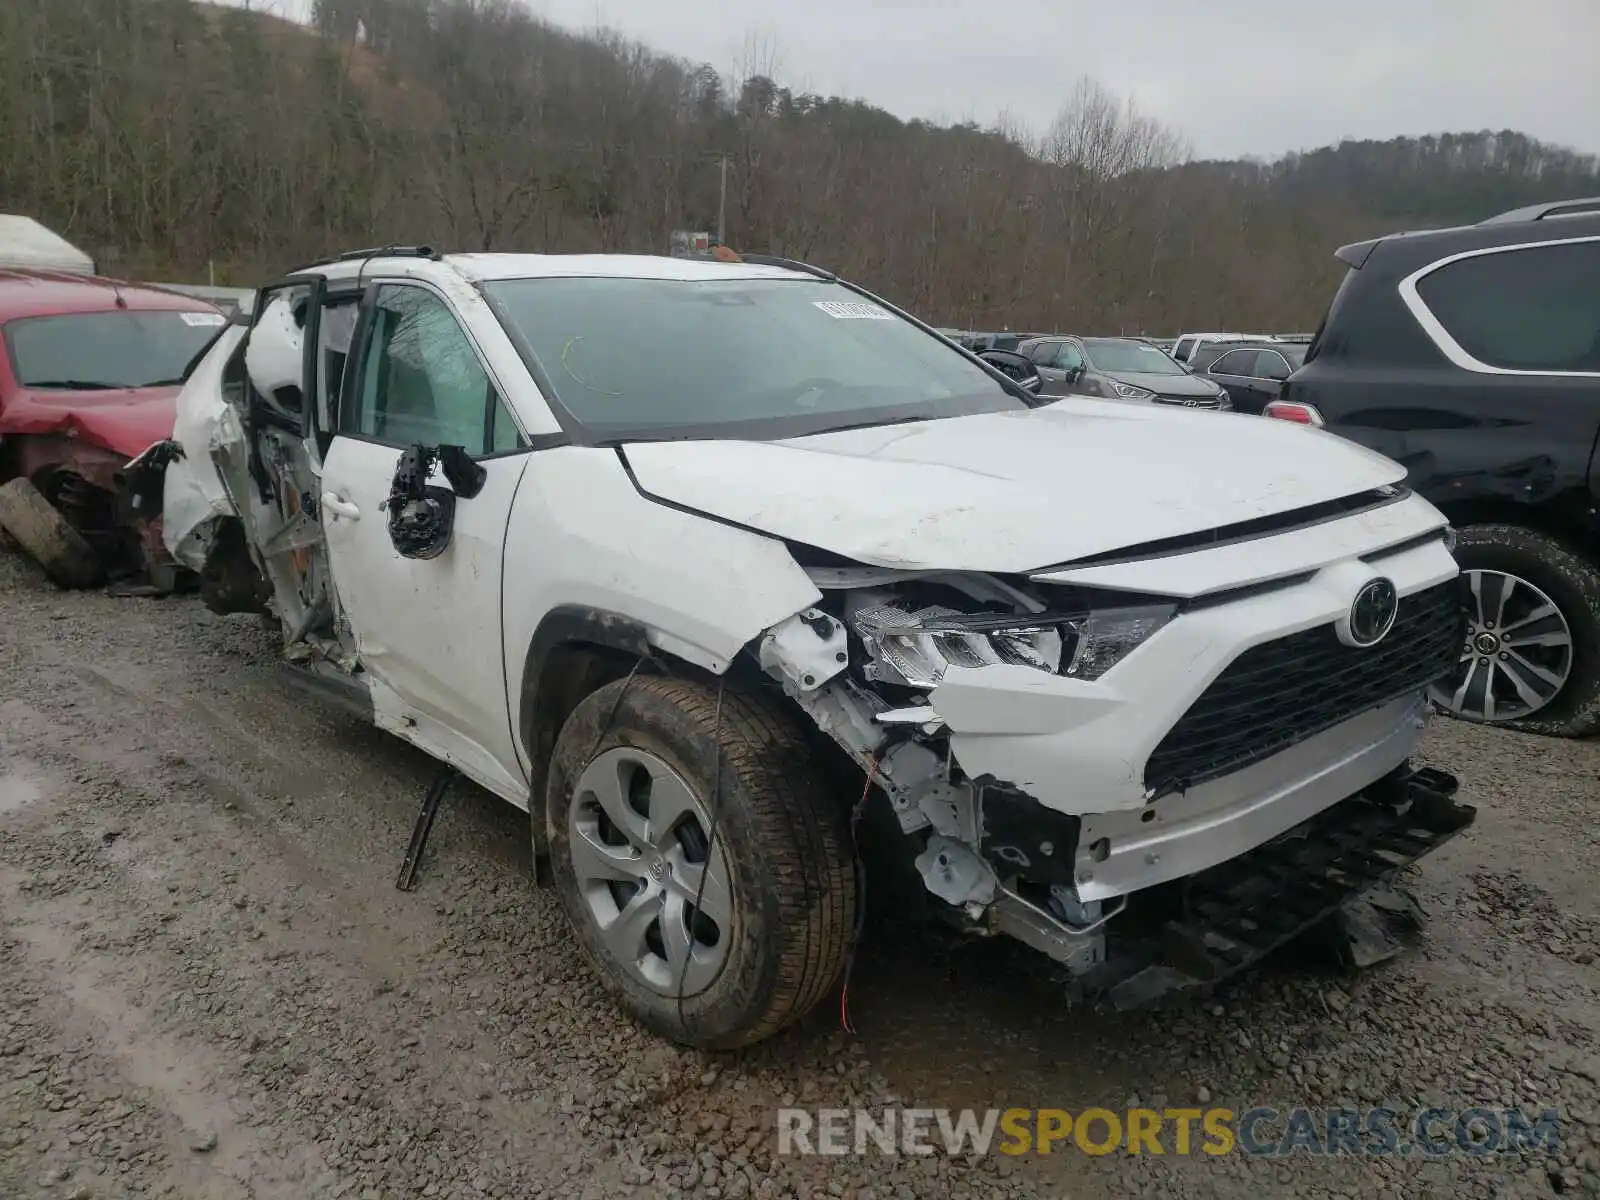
column 169, row 135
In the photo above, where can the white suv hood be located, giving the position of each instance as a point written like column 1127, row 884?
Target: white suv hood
column 1011, row 492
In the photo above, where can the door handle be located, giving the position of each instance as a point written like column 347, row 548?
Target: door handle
column 340, row 507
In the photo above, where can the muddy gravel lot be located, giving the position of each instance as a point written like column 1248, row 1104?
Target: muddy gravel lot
column 210, row 987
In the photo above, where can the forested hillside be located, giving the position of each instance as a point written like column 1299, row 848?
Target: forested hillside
column 165, row 135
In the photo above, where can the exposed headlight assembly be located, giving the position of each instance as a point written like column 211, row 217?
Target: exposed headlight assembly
column 916, row 648
column 1129, row 391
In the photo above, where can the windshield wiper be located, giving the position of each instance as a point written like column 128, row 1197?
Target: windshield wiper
column 76, row 385
column 869, row 423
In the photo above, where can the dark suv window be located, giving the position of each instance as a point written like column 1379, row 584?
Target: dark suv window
column 1536, row 309
column 1241, row 363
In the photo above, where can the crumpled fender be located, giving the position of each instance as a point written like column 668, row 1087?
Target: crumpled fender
column 194, row 496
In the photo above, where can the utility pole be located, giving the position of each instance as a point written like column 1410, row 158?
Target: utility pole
column 722, row 205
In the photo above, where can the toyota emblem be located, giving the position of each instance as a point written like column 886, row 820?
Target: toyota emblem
column 1372, row 612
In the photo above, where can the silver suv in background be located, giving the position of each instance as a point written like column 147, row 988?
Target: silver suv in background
column 1118, row 369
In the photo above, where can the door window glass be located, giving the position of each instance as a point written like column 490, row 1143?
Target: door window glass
column 1536, row 309
column 422, row 382
column 1241, row 363
column 1272, row 365
column 1069, row 357
column 503, row 432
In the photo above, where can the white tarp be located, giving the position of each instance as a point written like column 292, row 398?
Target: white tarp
column 26, row 243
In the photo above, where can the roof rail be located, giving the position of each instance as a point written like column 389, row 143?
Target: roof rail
column 1539, row 212
column 427, row 252
column 391, row 252
column 792, row 264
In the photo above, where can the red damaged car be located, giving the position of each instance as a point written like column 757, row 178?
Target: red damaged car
column 88, row 377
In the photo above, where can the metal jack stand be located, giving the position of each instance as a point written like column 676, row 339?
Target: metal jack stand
column 407, row 879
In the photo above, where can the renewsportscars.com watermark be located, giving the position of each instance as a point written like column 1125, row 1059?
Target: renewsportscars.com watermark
column 1365, row 1132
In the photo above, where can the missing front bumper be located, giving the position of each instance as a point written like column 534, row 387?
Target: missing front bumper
column 1222, row 920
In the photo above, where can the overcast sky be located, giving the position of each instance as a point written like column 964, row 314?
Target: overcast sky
column 1237, row 77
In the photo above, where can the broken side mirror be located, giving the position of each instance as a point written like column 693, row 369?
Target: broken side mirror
column 422, row 515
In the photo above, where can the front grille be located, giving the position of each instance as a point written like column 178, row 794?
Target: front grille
column 1283, row 692
column 1191, row 401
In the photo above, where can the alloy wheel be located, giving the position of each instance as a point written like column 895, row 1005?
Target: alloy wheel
column 1518, row 651
column 655, row 888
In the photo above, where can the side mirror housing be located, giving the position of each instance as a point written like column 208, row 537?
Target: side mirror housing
column 1016, row 367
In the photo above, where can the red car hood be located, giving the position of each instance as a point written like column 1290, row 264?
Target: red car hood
column 127, row 421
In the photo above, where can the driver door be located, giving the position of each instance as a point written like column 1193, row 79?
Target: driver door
column 1069, row 367
column 1052, row 379
column 427, row 631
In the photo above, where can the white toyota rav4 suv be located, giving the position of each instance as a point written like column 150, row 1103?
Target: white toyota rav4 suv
column 668, row 551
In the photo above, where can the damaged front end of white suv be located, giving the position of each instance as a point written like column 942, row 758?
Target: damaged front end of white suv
column 1157, row 766
column 1141, row 687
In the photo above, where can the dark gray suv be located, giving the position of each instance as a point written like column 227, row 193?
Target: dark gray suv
column 1118, row 369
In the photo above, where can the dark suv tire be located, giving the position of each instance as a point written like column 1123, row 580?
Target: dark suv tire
column 717, row 906
column 1533, row 634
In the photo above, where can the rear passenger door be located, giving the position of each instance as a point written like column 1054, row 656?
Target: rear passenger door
column 427, row 630
column 1522, row 323
column 1508, row 405
column 1253, row 377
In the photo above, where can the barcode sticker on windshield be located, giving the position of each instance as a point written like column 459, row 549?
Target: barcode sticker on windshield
column 201, row 320
column 850, row 310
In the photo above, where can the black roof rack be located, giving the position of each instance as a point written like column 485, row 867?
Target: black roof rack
column 427, row 252
column 1539, row 212
column 792, row 264
column 391, row 252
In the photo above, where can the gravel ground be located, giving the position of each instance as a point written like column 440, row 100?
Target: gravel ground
column 210, row 988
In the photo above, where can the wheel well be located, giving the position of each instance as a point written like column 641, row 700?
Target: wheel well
column 1541, row 518
column 576, row 651
column 567, row 673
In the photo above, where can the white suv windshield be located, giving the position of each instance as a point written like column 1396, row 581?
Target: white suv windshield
column 637, row 359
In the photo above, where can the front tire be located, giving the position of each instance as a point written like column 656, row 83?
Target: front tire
column 1531, row 660
column 632, row 797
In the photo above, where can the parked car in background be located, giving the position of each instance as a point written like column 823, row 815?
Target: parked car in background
column 1118, row 369
column 1472, row 357
column 1252, row 373
column 1183, row 349
column 979, row 342
column 696, row 611
column 89, row 373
